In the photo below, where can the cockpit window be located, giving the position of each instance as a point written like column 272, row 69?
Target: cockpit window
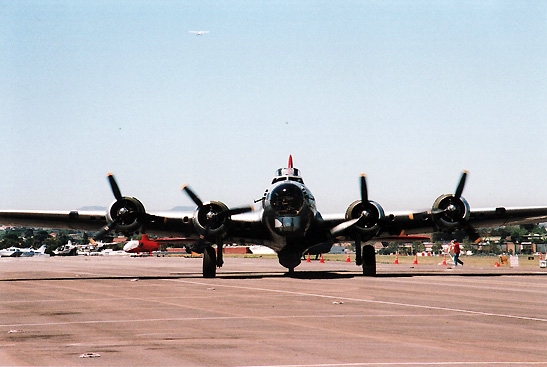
column 287, row 199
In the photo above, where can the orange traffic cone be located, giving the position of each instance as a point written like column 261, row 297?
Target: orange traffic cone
column 416, row 259
column 348, row 260
column 308, row 260
column 396, row 258
column 322, row 261
column 444, row 260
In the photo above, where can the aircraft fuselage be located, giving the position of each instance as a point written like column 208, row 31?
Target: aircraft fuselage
column 289, row 212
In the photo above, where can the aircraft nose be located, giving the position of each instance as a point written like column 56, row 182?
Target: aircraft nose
column 130, row 245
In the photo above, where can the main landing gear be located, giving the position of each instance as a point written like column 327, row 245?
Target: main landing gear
column 369, row 261
column 212, row 259
column 366, row 257
column 209, row 262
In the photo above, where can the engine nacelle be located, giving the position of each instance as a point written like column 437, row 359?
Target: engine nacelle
column 211, row 221
column 371, row 214
column 450, row 212
column 128, row 213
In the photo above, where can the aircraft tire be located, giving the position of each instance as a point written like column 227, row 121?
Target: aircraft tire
column 209, row 262
column 369, row 261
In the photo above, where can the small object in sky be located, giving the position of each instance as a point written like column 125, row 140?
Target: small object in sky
column 199, row 33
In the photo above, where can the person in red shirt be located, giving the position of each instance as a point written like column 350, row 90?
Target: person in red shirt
column 455, row 247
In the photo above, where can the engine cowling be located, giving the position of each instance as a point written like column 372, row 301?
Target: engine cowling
column 450, row 212
column 211, row 220
column 371, row 215
column 128, row 213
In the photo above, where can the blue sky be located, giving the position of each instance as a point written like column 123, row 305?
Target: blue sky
column 408, row 92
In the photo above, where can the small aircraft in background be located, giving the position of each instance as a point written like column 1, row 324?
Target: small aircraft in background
column 23, row 252
column 142, row 245
column 11, row 252
column 145, row 244
column 199, row 33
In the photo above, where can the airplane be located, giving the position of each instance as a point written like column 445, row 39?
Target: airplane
column 199, row 33
column 41, row 251
column 23, row 252
column 66, row 250
column 287, row 222
column 142, row 245
column 145, row 244
column 29, row 252
column 11, row 252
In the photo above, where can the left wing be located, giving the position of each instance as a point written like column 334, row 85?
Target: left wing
column 426, row 222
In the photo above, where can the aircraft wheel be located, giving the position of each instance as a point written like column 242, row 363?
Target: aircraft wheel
column 369, row 261
column 209, row 262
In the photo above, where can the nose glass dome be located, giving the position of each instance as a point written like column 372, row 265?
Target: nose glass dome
column 287, row 199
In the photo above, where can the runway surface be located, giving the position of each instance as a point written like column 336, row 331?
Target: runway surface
column 122, row 311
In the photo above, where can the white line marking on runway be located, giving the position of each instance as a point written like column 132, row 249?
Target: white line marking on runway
column 258, row 317
column 458, row 310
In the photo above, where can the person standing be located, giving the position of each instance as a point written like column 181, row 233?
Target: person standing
column 455, row 247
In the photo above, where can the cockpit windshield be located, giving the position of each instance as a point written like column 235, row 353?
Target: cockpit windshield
column 287, row 199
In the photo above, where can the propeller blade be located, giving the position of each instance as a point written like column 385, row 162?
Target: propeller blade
column 438, row 211
column 234, row 211
column 115, row 189
column 364, row 192
column 339, row 229
column 107, row 228
column 471, row 232
column 461, row 185
column 193, row 196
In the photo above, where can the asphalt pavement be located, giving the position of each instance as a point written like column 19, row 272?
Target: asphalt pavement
column 123, row 311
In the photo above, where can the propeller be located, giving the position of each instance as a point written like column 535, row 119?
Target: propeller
column 212, row 214
column 367, row 215
column 454, row 210
column 210, row 218
column 126, row 210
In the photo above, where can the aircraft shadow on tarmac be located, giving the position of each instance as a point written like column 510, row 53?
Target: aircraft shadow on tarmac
column 263, row 275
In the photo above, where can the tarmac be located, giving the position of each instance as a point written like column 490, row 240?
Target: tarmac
column 123, row 311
